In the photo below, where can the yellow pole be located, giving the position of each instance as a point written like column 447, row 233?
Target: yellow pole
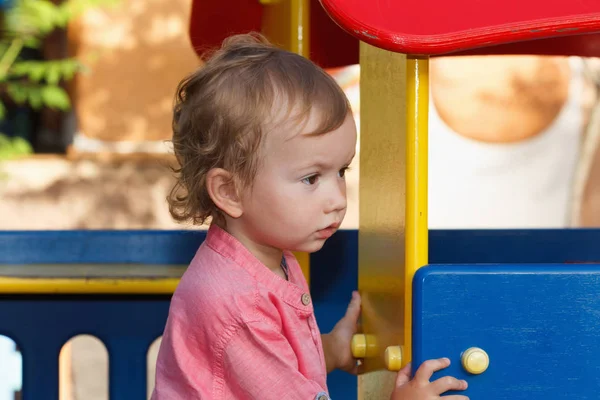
column 286, row 23
column 416, row 255
column 382, row 188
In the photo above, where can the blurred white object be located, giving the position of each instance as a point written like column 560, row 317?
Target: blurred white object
column 11, row 369
column 525, row 184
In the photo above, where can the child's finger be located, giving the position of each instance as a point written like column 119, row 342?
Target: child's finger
column 427, row 369
column 403, row 375
column 353, row 311
column 456, row 397
column 446, row 383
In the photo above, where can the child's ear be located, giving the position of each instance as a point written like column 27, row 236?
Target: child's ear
column 223, row 192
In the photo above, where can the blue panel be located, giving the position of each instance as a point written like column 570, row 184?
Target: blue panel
column 333, row 277
column 540, row 326
column 178, row 247
column 68, row 247
column 514, row 246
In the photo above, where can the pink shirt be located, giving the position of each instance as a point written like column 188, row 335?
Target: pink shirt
column 236, row 330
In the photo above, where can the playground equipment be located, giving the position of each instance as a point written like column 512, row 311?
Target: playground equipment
column 486, row 319
column 509, row 329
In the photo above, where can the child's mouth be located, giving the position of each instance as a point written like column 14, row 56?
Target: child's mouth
column 326, row 233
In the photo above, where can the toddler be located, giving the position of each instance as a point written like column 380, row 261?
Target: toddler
column 263, row 138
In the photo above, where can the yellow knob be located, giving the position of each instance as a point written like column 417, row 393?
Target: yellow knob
column 393, row 358
column 359, row 345
column 475, row 360
column 364, row 346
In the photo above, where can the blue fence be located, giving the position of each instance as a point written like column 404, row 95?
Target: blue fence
column 129, row 324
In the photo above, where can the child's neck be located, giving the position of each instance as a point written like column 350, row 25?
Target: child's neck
column 267, row 255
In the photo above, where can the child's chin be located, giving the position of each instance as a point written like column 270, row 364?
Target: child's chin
column 312, row 247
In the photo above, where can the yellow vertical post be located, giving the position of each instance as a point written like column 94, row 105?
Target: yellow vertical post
column 286, row 24
column 381, row 210
column 417, row 238
column 304, row 261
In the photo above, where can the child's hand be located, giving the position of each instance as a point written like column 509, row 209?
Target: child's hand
column 337, row 343
column 419, row 388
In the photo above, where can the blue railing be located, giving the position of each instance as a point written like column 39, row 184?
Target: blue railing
column 128, row 324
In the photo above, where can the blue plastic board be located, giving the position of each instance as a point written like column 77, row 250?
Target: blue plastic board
column 539, row 324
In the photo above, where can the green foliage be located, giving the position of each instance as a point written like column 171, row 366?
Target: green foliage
column 13, row 147
column 30, row 82
column 34, row 19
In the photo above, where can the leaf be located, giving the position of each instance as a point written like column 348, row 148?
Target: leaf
column 52, row 73
column 17, row 22
column 2, row 111
column 18, row 69
column 35, row 98
column 35, row 70
column 21, row 146
column 17, row 92
column 38, row 17
column 67, row 68
column 43, row 13
column 10, row 148
column 32, row 42
column 56, row 97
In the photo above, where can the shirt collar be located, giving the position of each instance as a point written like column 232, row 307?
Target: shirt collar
column 292, row 292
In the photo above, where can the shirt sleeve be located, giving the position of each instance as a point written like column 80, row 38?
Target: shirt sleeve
column 259, row 363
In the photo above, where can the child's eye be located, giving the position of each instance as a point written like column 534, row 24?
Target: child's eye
column 310, row 180
column 342, row 172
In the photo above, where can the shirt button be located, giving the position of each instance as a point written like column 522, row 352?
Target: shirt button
column 306, row 301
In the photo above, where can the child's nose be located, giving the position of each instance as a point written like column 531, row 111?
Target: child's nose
column 337, row 199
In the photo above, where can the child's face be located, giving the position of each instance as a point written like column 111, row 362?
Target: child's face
column 298, row 198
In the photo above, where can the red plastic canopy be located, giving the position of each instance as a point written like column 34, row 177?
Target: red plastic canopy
column 552, row 27
column 557, row 27
column 212, row 21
